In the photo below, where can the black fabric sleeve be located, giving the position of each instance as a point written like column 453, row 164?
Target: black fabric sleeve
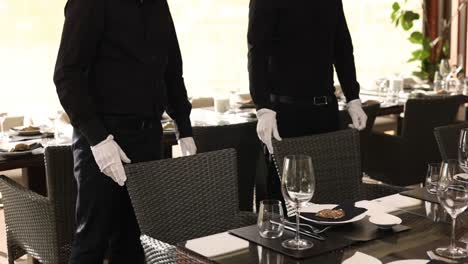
column 344, row 58
column 262, row 21
column 82, row 30
column 179, row 107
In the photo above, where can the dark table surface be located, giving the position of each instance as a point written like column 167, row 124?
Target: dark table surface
column 429, row 224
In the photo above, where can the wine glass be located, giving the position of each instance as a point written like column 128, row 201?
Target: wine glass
column 298, row 186
column 3, row 117
column 463, row 150
column 452, row 193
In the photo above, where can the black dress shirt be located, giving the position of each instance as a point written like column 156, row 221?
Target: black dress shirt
column 293, row 46
column 120, row 57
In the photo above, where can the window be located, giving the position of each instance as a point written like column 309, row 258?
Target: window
column 212, row 34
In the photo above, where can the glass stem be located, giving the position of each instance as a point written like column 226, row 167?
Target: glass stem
column 297, row 225
column 452, row 237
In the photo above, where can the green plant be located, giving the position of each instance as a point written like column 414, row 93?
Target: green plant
column 405, row 19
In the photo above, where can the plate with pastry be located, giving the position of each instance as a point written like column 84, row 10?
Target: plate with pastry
column 333, row 214
column 27, row 130
column 20, row 150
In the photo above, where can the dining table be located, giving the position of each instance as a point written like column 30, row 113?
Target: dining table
column 429, row 228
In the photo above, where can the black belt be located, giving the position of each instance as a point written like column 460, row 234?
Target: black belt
column 131, row 123
column 306, row 101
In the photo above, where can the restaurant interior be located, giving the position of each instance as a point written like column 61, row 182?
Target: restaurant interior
column 392, row 191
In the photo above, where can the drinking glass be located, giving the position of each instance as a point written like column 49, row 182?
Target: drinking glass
column 3, row 117
column 444, row 68
column 297, row 187
column 452, row 193
column 463, row 149
column 432, row 177
column 270, row 219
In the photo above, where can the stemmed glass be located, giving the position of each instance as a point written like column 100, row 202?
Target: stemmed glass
column 463, row 150
column 452, row 193
column 3, row 117
column 444, row 70
column 298, row 186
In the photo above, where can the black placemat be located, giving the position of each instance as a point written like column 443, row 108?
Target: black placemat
column 332, row 243
column 421, row 194
column 336, row 238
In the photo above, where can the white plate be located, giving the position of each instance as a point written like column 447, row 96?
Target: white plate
column 18, row 131
column 410, row 261
column 314, row 208
column 385, row 221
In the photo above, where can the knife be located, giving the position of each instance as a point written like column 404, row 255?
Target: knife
column 302, row 232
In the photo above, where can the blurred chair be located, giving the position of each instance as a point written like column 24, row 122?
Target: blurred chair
column 16, row 175
column 337, row 166
column 42, row 227
column 371, row 108
column 202, row 102
column 402, row 160
column 447, row 138
column 180, row 199
column 243, row 138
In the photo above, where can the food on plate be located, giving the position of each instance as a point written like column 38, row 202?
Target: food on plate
column 331, row 213
column 168, row 125
column 20, row 147
column 30, row 129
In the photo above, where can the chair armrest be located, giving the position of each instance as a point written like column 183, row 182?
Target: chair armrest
column 30, row 220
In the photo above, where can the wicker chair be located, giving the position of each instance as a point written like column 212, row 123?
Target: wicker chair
column 402, row 160
column 243, row 138
column 42, row 226
column 371, row 108
column 337, row 166
column 447, row 138
column 180, row 199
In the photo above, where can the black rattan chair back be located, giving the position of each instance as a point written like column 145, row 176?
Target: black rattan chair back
column 180, row 199
column 447, row 138
column 243, row 138
column 336, row 162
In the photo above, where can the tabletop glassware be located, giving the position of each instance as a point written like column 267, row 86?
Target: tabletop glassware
column 452, row 193
column 432, row 177
column 3, row 117
column 270, row 219
column 463, row 150
column 444, row 68
column 297, row 187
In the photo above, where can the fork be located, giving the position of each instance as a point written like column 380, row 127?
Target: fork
column 314, row 229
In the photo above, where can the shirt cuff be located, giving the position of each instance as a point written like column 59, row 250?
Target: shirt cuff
column 94, row 131
column 184, row 127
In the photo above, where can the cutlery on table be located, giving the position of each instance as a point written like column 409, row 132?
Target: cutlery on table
column 314, row 229
column 302, row 232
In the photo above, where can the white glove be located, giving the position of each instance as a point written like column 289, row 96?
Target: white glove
column 358, row 116
column 267, row 127
column 187, row 146
column 109, row 157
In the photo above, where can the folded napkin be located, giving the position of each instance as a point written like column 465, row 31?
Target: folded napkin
column 350, row 210
column 361, row 258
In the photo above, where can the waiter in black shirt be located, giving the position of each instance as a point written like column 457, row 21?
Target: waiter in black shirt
column 293, row 46
column 118, row 69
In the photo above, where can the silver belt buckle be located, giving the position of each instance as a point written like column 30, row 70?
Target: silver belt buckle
column 320, row 100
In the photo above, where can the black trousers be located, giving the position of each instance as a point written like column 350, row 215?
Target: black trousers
column 294, row 121
column 105, row 218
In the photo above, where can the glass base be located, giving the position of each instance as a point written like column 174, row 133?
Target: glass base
column 300, row 244
column 452, row 253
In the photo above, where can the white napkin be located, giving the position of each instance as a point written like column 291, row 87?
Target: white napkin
column 217, row 245
column 361, row 258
